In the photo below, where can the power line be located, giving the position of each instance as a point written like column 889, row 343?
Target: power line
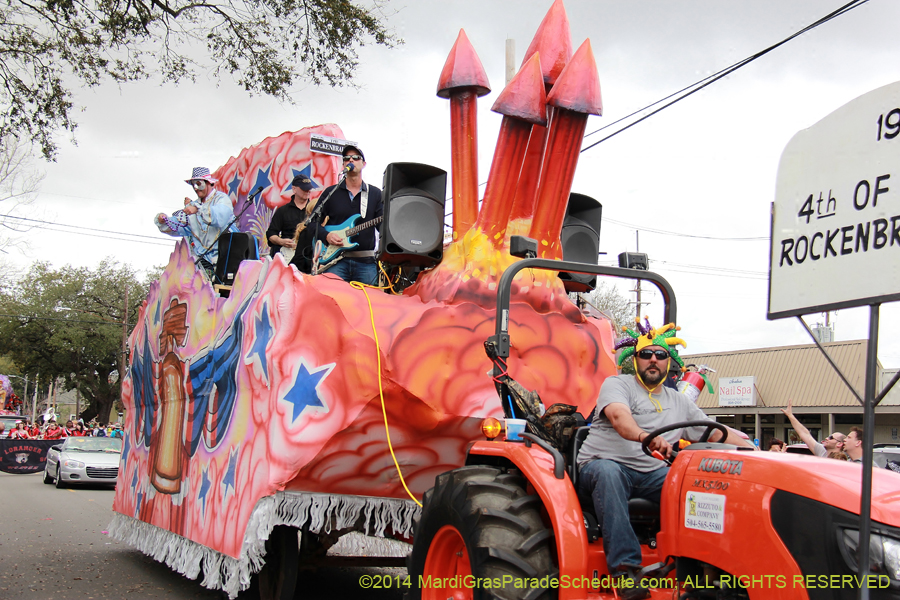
column 687, row 235
column 696, row 87
column 699, row 85
column 706, row 270
column 81, row 230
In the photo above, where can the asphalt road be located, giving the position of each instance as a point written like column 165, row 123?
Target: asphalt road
column 54, row 546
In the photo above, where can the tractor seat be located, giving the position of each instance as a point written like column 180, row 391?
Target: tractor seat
column 641, row 512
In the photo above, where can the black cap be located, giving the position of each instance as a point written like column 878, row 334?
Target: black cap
column 349, row 147
column 304, row 183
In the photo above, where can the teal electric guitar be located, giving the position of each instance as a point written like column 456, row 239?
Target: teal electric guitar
column 346, row 230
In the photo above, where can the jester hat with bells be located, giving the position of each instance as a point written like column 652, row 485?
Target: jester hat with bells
column 635, row 341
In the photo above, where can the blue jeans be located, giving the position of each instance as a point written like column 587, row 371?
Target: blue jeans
column 354, row 270
column 610, row 486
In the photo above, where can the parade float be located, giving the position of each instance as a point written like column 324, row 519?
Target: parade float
column 304, row 401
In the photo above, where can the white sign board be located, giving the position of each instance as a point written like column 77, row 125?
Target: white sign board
column 737, row 391
column 324, row 144
column 836, row 216
column 705, row 512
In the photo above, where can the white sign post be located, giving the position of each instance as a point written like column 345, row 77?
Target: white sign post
column 737, row 391
column 836, row 217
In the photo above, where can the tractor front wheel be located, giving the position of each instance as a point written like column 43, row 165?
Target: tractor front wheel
column 480, row 535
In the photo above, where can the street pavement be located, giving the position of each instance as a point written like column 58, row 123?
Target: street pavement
column 54, row 546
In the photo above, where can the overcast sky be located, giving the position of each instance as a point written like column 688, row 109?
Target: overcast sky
column 704, row 167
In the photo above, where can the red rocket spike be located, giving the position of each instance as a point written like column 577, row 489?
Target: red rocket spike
column 463, row 80
column 524, row 97
column 578, row 86
column 553, row 42
column 575, row 96
column 522, row 102
column 463, row 69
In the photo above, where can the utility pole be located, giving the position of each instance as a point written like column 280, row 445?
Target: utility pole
column 510, row 59
column 77, row 391
column 637, row 287
column 37, row 381
column 122, row 358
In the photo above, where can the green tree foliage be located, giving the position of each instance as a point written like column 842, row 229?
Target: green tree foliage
column 265, row 45
column 68, row 323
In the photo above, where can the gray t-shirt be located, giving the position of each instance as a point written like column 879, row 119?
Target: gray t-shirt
column 819, row 450
column 604, row 442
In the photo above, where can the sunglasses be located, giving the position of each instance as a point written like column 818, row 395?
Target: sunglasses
column 198, row 185
column 648, row 354
column 352, row 157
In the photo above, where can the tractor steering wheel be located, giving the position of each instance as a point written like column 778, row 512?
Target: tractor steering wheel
column 710, row 426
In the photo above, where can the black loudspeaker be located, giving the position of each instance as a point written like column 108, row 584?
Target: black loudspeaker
column 412, row 232
column 580, row 239
column 233, row 248
column 634, row 260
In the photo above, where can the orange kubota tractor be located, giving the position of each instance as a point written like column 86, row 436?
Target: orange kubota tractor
column 731, row 523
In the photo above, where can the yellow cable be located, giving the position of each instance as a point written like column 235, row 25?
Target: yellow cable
column 387, row 431
column 388, row 279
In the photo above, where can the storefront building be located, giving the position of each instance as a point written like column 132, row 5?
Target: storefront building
column 750, row 387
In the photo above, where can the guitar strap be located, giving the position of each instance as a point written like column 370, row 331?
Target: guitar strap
column 364, row 201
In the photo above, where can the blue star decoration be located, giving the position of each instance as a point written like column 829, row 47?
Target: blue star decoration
column 305, row 391
column 263, row 335
column 137, row 505
column 134, row 479
column 307, row 170
column 228, row 480
column 262, row 180
column 205, row 484
column 233, row 185
column 126, row 449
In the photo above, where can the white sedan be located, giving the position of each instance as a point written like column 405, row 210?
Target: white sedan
column 83, row 460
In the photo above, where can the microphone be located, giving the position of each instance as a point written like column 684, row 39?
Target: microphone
column 256, row 193
column 348, row 168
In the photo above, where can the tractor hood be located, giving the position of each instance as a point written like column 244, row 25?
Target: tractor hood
column 834, row 482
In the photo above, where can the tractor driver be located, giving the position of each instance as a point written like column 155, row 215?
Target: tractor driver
column 613, row 468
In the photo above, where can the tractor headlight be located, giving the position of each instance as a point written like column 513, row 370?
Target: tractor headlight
column 884, row 553
column 891, row 557
column 73, row 464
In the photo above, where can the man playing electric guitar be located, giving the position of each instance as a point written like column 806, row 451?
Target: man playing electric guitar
column 352, row 198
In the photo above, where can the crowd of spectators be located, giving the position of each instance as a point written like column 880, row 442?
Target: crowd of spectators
column 51, row 430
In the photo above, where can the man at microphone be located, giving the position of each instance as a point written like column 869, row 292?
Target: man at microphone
column 202, row 220
column 353, row 196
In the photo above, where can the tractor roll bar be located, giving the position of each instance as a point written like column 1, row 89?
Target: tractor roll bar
column 500, row 339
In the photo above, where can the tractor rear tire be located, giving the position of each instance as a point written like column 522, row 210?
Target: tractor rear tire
column 478, row 523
